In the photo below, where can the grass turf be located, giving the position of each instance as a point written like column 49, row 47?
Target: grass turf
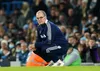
column 71, row 68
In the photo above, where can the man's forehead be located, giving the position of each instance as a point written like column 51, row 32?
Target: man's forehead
column 39, row 13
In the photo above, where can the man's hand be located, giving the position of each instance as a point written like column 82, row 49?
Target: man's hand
column 32, row 47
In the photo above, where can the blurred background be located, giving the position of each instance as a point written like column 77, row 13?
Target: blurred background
column 79, row 21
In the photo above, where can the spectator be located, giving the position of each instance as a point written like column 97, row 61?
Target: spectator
column 12, row 48
column 33, row 36
column 83, row 24
column 68, row 31
column 62, row 7
column 25, row 27
column 18, row 50
column 26, row 13
column 75, row 29
column 63, row 19
column 2, row 32
column 30, row 29
column 7, row 38
column 82, row 50
column 49, row 3
column 56, row 2
column 71, row 17
column 6, row 54
column 93, row 50
column 2, row 17
column 11, row 29
column 52, row 14
column 73, row 41
column 78, row 35
column 14, row 17
column 23, row 54
column 57, row 14
column 39, row 5
column 90, row 18
column 63, row 29
column 4, row 45
column 84, row 8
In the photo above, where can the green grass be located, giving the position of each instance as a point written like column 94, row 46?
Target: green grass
column 71, row 68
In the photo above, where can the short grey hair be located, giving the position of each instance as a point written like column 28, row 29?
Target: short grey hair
column 4, row 42
column 41, row 11
column 24, row 44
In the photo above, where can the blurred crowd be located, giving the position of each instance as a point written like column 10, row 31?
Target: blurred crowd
column 79, row 21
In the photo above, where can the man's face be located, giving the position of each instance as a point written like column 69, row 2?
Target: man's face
column 40, row 18
column 3, row 45
column 70, row 40
column 91, row 43
column 31, row 47
column 23, row 47
column 70, row 12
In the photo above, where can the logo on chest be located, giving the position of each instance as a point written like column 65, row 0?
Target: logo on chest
column 43, row 36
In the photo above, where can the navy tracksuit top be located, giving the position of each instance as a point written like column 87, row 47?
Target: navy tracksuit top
column 57, row 39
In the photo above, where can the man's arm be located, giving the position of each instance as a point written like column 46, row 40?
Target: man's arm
column 41, row 44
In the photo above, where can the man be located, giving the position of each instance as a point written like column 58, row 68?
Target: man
column 93, row 49
column 51, row 43
column 24, row 53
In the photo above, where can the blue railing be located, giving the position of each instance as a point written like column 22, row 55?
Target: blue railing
column 10, row 6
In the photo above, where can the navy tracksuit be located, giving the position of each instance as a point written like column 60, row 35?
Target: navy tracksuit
column 57, row 39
